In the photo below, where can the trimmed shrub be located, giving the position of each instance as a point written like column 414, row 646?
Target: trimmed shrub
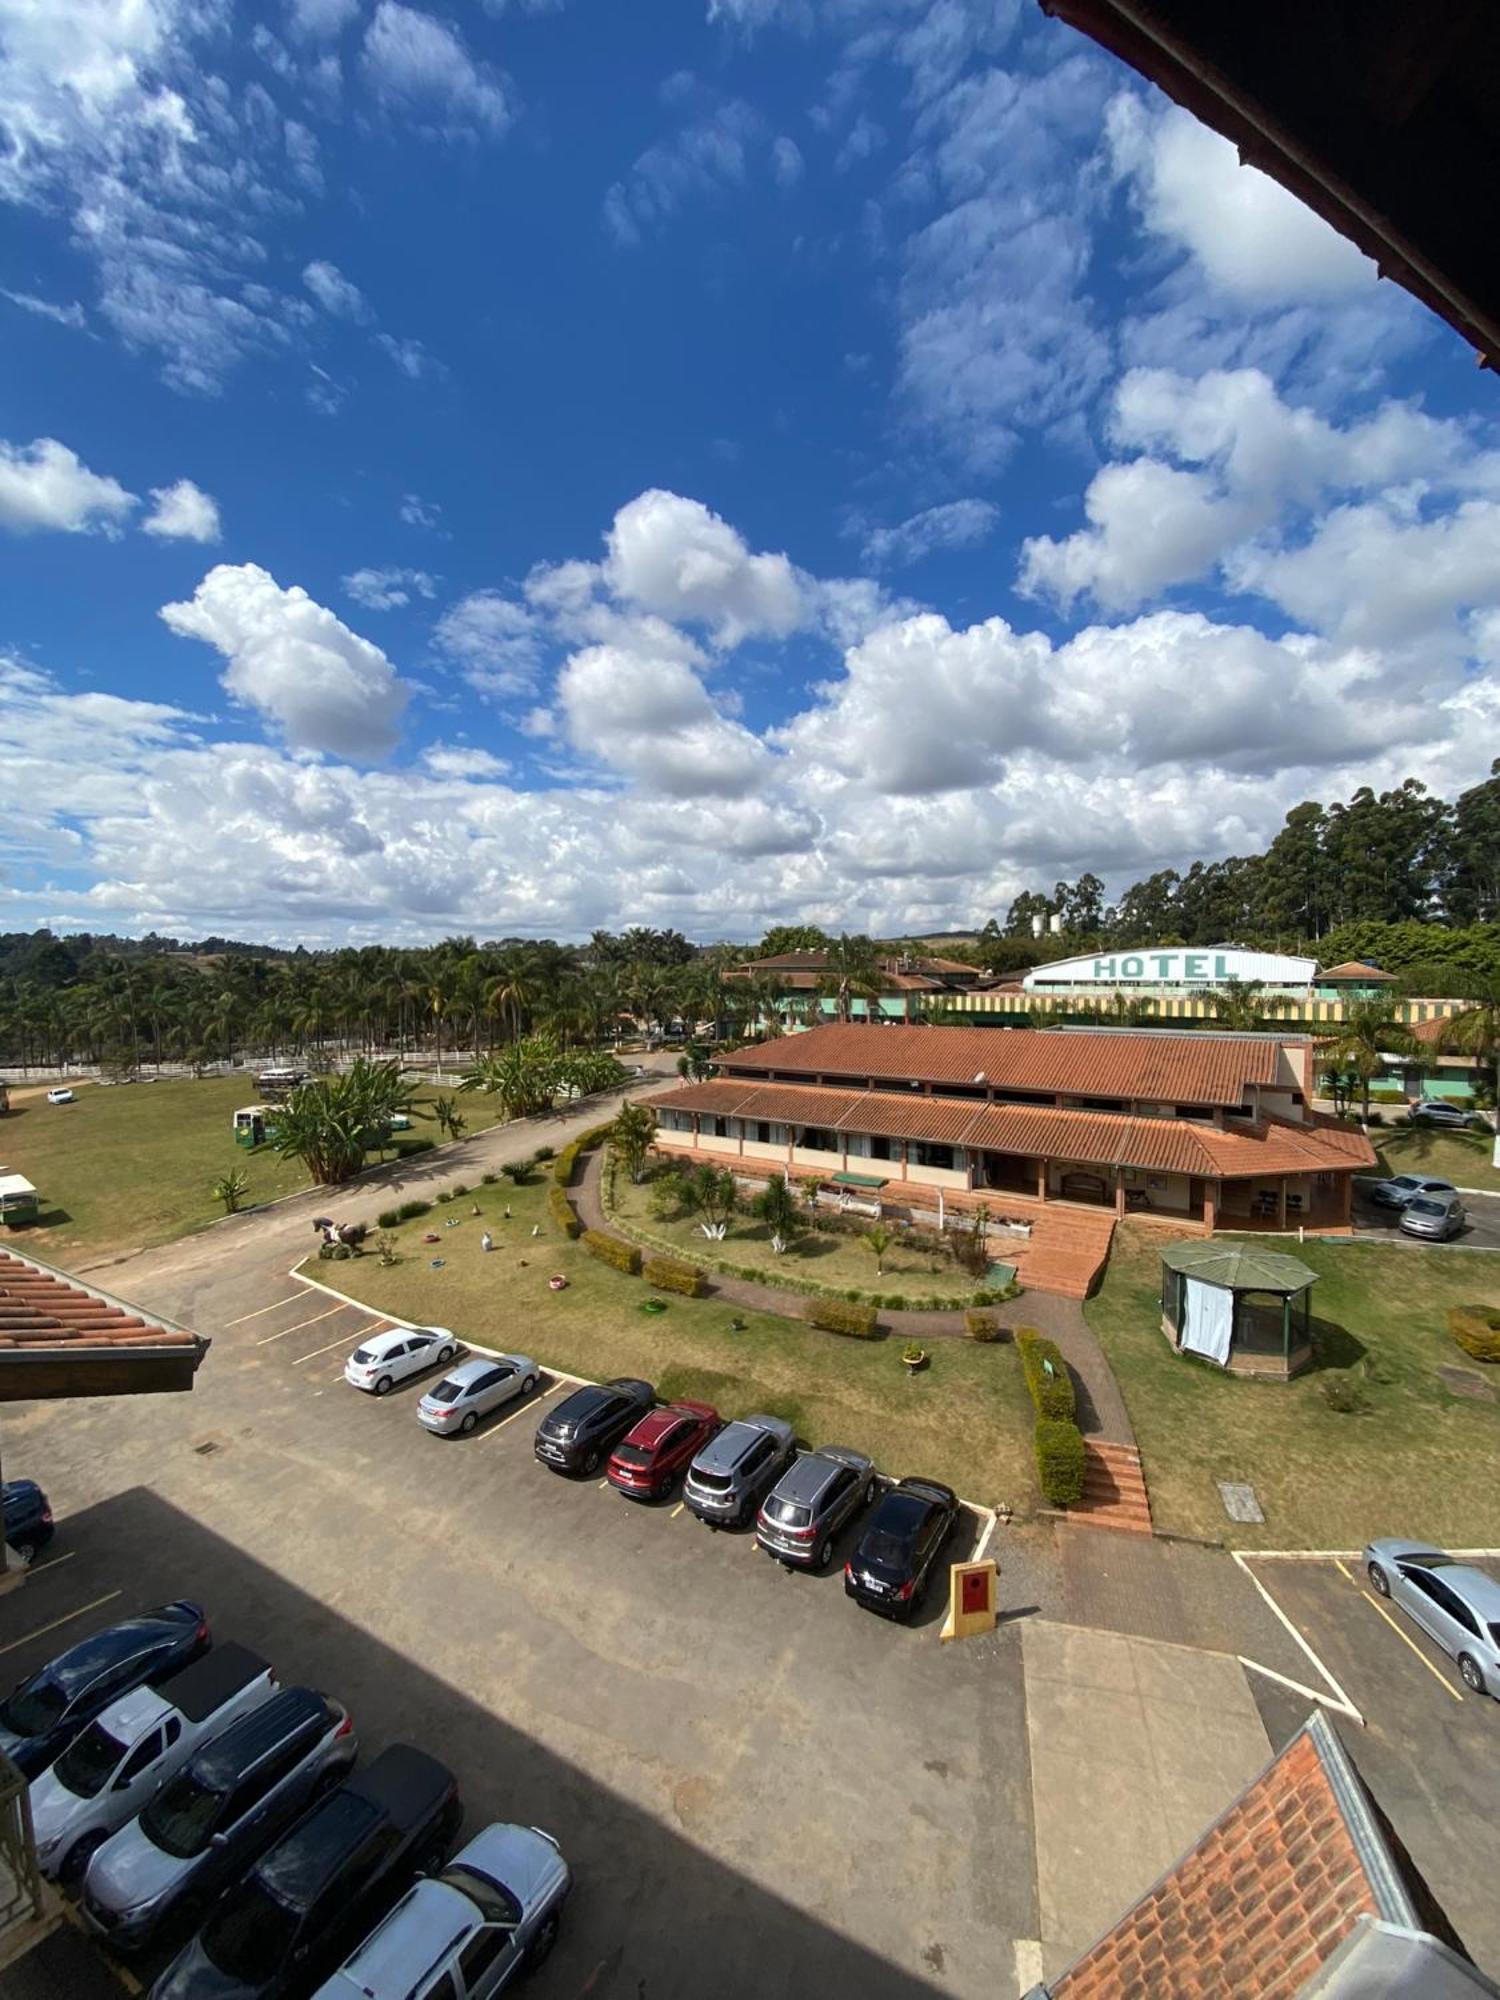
column 408, row 1210
column 611, row 1250
column 460, row 1187
column 981, row 1325
column 388, row 1218
column 897, row 1301
column 334, row 1253
column 839, row 1316
column 405, row 1149
column 1476, row 1329
column 563, row 1165
column 486, row 1180
column 542, row 1155
column 563, row 1213
column 668, row 1275
column 445, row 1194
column 1060, row 1460
column 1046, row 1375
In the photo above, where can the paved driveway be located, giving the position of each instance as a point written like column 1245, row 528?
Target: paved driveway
column 1482, row 1233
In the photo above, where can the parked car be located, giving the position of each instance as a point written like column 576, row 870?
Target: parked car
column 62, row 1095
column 225, row 1806
column 338, row 1870
column 28, row 1518
column 803, row 1514
column 730, row 1476
column 1402, row 1188
column 1436, row 1216
column 1432, row 1111
column 651, row 1456
column 575, row 1435
column 903, row 1538
column 127, row 1753
column 42, row 1715
column 377, row 1365
column 471, row 1391
column 1459, row 1606
column 465, row 1934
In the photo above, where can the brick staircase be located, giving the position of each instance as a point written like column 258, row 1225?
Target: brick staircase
column 1066, row 1251
column 1114, row 1489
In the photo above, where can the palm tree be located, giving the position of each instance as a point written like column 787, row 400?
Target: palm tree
column 523, row 1075
column 1369, row 1030
column 877, row 1241
column 1475, row 1030
column 708, row 1193
column 516, row 987
column 1242, row 1004
column 852, row 972
column 631, row 1135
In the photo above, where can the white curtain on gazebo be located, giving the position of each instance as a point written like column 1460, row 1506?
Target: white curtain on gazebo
column 1208, row 1322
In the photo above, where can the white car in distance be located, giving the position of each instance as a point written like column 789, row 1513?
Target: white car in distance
column 379, row 1363
column 62, row 1095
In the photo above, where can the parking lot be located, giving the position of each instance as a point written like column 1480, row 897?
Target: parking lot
column 758, row 1786
column 1482, row 1231
column 1429, row 1749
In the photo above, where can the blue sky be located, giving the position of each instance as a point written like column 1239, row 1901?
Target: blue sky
column 539, row 464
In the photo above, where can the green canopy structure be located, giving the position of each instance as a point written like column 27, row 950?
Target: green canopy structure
column 1245, row 1308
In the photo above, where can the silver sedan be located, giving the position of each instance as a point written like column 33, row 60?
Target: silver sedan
column 471, row 1391
column 1457, row 1605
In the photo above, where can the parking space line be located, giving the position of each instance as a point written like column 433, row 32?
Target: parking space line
column 268, row 1338
column 261, row 1311
column 519, row 1411
column 1406, row 1639
column 342, row 1341
column 66, row 1619
column 51, row 1563
column 1340, row 1700
column 122, row 1972
column 677, row 1510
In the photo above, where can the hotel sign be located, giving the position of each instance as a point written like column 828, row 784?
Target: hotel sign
column 1187, row 969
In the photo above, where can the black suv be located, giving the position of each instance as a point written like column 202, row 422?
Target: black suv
column 290, row 1922
column 575, row 1436
column 902, row 1540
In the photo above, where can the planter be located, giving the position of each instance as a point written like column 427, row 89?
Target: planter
column 914, row 1360
column 653, row 1305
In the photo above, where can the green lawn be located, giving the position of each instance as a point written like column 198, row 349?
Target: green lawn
column 1461, row 1157
column 1416, row 1459
column 127, row 1166
column 963, row 1419
column 830, row 1258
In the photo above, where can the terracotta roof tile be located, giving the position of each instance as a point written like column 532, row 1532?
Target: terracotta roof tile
column 1351, row 969
column 41, row 1310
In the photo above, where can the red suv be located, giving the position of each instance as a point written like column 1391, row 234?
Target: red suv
column 648, row 1460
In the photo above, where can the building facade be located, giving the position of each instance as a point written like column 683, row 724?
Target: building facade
column 794, row 986
column 1211, row 1129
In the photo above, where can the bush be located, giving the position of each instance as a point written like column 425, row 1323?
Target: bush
column 542, row 1155
column 334, row 1253
column 611, row 1250
column 1342, row 1394
column 1060, row 1460
column 669, row 1275
column 446, row 1194
column 388, row 1218
column 981, row 1325
column 563, row 1165
column 486, row 1180
column 896, row 1301
column 405, row 1149
column 563, row 1213
column 460, row 1187
column 839, row 1316
column 1476, row 1330
column 409, row 1210
column 1046, row 1375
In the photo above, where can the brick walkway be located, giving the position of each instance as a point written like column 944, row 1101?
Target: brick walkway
column 1101, row 1407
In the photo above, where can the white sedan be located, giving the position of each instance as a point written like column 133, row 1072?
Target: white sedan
column 380, row 1363
column 61, row 1095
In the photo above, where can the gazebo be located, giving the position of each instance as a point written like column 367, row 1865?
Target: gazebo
column 1247, row 1309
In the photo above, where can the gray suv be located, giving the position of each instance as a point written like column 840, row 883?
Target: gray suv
column 813, row 1499
column 210, row 1822
column 726, row 1480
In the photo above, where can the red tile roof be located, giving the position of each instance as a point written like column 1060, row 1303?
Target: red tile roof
column 1167, row 1145
column 1354, row 972
column 44, row 1311
column 1267, row 1895
column 1153, row 1068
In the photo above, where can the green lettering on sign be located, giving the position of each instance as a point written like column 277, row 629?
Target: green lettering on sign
column 1195, row 965
column 1132, row 968
column 1104, row 968
column 1163, row 964
column 1221, row 967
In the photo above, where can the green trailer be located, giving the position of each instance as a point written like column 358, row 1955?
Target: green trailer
column 19, row 1201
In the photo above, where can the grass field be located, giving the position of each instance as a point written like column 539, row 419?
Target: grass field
column 1461, row 1157
column 963, row 1419
column 832, row 1259
column 1415, row 1459
column 124, row 1167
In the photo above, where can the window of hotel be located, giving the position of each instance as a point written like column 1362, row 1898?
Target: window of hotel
column 721, row 1128
column 1202, row 1111
column 881, row 1149
column 1098, row 1103
column 934, row 1156
column 814, row 1141
column 763, row 1132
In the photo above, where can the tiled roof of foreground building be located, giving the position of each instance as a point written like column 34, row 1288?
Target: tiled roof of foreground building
column 1169, row 1145
column 1299, row 1888
column 1161, row 1068
column 61, row 1338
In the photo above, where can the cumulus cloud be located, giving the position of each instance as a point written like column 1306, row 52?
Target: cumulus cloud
column 421, row 69
column 45, row 485
column 183, row 513
column 292, row 661
column 385, row 589
column 956, row 524
column 675, row 557
column 419, row 513
column 497, row 642
column 319, row 20
column 457, row 760
column 335, row 293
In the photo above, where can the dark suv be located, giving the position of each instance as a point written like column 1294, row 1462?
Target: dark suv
column 220, row 1811
column 586, row 1425
column 28, row 1518
column 314, row 1895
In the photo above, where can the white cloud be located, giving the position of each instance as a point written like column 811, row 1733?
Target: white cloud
column 673, row 556
column 410, row 356
column 71, row 315
column 318, row 20
column 290, row 659
column 497, row 642
column 457, row 760
column 1151, row 526
column 385, row 589
column 45, row 485
column 707, row 157
column 786, row 162
column 956, row 524
column 183, row 513
column 421, row 69
column 419, row 513
column 334, row 292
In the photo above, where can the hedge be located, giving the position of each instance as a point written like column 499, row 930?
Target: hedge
column 669, row 1275
column 842, row 1316
column 388, row 1218
column 1060, row 1460
column 563, row 1165
column 1476, row 1330
column 408, row 1211
column 564, row 1162
column 563, row 1213
column 612, row 1251
column 981, row 1325
column 1046, row 1374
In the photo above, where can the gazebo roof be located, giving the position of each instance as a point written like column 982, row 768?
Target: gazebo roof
column 1238, row 1269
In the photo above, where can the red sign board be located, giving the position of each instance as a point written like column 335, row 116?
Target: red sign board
column 975, row 1588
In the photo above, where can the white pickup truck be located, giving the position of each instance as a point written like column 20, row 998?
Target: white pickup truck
column 131, row 1748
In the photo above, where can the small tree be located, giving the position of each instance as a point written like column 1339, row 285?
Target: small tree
column 708, row 1193
column 809, row 1185
column 970, row 1246
column 451, row 1121
column 631, row 1135
column 231, row 1189
column 777, row 1208
column 878, row 1241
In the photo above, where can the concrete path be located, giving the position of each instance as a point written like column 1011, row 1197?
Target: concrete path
column 1136, row 1747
